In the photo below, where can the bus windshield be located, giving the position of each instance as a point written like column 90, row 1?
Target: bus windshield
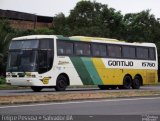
column 30, row 55
column 22, row 60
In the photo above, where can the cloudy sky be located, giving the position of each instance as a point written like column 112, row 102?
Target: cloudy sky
column 53, row 7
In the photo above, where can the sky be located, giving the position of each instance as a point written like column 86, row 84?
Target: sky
column 53, row 7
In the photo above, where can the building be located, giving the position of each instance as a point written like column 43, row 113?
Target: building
column 26, row 21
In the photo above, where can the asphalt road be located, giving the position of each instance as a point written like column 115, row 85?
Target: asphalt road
column 124, row 106
column 68, row 90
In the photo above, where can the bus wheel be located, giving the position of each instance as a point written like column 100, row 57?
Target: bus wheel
column 127, row 82
column 36, row 88
column 103, row 87
column 61, row 83
column 136, row 83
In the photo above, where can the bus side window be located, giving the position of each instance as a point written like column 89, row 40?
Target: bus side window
column 99, row 50
column 79, row 52
column 64, row 48
column 69, row 48
column 142, row 53
column 45, row 60
column 42, row 62
column 114, row 51
column 129, row 52
column 60, row 51
column 50, row 59
column 60, row 48
column 152, row 53
column 82, row 49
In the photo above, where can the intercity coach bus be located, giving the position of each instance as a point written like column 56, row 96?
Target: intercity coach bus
column 44, row 61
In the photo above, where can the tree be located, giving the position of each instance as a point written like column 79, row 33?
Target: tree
column 111, row 20
column 141, row 27
column 46, row 31
column 94, row 19
column 60, row 25
column 82, row 15
column 6, row 33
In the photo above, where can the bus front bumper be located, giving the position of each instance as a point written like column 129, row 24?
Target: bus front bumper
column 24, row 82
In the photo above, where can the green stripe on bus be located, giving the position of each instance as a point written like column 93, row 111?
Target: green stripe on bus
column 92, row 70
column 82, row 71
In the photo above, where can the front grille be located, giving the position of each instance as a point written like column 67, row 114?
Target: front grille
column 21, row 74
column 18, row 75
column 14, row 75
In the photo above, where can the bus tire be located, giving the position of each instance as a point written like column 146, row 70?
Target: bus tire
column 136, row 83
column 36, row 88
column 61, row 83
column 103, row 87
column 127, row 82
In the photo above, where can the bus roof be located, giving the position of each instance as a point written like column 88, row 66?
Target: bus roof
column 85, row 38
column 93, row 38
column 33, row 37
column 109, row 40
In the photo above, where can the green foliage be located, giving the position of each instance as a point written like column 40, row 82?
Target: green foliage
column 91, row 19
column 2, row 80
column 18, row 32
column 94, row 19
column 6, row 33
column 60, row 25
column 44, row 31
column 141, row 27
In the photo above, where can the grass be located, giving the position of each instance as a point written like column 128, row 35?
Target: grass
column 7, row 87
column 2, row 80
column 4, row 86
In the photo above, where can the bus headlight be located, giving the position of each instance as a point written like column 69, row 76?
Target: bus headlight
column 33, row 76
column 8, row 76
column 28, row 74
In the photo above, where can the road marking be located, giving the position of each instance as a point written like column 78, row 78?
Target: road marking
column 78, row 102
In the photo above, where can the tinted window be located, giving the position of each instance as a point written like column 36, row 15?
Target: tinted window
column 23, row 60
column 64, row 48
column 42, row 61
column 142, row 53
column 50, row 59
column 151, row 53
column 114, row 51
column 45, row 60
column 46, row 44
column 82, row 49
column 99, row 50
column 128, row 52
column 24, row 44
column 13, row 59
